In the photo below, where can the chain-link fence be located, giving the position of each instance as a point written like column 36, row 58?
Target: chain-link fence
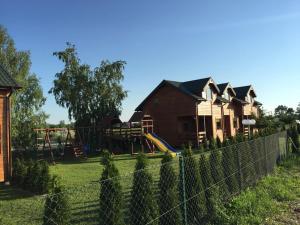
column 187, row 190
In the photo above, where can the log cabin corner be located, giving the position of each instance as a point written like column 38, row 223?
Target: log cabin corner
column 7, row 86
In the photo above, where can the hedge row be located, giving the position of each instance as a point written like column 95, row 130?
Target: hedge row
column 31, row 175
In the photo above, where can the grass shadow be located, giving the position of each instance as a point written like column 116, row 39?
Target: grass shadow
column 12, row 193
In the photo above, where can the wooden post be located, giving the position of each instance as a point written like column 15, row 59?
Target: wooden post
column 197, row 125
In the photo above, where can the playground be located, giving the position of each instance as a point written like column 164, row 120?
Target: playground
column 119, row 137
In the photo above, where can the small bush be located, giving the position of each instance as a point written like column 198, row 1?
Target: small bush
column 168, row 198
column 196, row 206
column 31, row 175
column 219, row 142
column 57, row 209
column 142, row 203
column 212, row 144
column 110, row 193
column 19, row 172
column 217, row 172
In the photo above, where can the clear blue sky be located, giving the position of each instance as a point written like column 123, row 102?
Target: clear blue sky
column 245, row 42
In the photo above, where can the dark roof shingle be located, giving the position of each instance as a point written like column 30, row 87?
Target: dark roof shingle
column 241, row 92
column 6, row 79
column 192, row 88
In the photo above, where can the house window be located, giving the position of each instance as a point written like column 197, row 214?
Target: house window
column 226, row 95
column 219, row 124
column 209, row 94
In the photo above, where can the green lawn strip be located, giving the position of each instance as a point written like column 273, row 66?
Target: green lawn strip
column 271, row 196
column 20, row 207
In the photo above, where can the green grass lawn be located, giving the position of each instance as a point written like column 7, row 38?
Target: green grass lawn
column 274, row 200
column 81, row 180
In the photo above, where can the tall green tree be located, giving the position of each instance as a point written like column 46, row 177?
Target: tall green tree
column 89, row 94
column 168, row 196
column 57, row 207
column 215, row 209
column 285, row 114
column 194, row 191
column 217, row 172
column 27, row 103
column 230, row 168
column 110, row 193
column 142, row 209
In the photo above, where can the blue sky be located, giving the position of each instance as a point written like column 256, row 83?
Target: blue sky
column 245, row 42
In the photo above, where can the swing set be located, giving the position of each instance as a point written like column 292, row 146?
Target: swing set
column 71, row 146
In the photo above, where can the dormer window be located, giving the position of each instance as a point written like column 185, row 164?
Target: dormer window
column 226, row 95
column 250, row 98
column 208, row 94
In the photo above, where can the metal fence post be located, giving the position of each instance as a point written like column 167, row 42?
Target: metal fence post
column 239, row 168
column 266, row 156
column 182, row 175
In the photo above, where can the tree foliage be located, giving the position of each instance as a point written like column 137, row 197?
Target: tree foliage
column 88, row 93
column 26, row 103
column 212, row 194
column 110, row 194
column 57, row 206
column 142, row 203
column 168, row 199
column 217, row 173
column 230, row 168
column 194, row 190
column 285, row 114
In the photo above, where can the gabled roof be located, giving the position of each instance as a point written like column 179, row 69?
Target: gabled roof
column 6, row 81
column 224, row 86
column 178, row 85
column 242, row 92
column 195, row 86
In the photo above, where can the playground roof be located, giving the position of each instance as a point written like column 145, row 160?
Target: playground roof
column 6, row 80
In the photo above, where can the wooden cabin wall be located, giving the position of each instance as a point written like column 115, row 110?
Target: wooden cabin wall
column 165, row 107
column 5, row 167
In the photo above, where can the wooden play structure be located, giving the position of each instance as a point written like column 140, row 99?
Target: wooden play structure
column 132, row 133
column 71, row 146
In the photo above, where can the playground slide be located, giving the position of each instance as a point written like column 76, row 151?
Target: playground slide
column 161, row 144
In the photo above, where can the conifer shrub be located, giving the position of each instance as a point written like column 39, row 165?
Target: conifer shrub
column 29, row 179
column 31, row 175
column 230, row 169
column 218, row 142
column 217, row 172
column 215, row 209
column 143, row 206
column 19, row 172
column 57, row 208
column 194, row 190
column 247, row 165
column 212, row 144
column 168, row 195
column 111, row 200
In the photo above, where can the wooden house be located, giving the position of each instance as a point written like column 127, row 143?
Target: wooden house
column 193, row 110
column 246, row 106
column 7, row 86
